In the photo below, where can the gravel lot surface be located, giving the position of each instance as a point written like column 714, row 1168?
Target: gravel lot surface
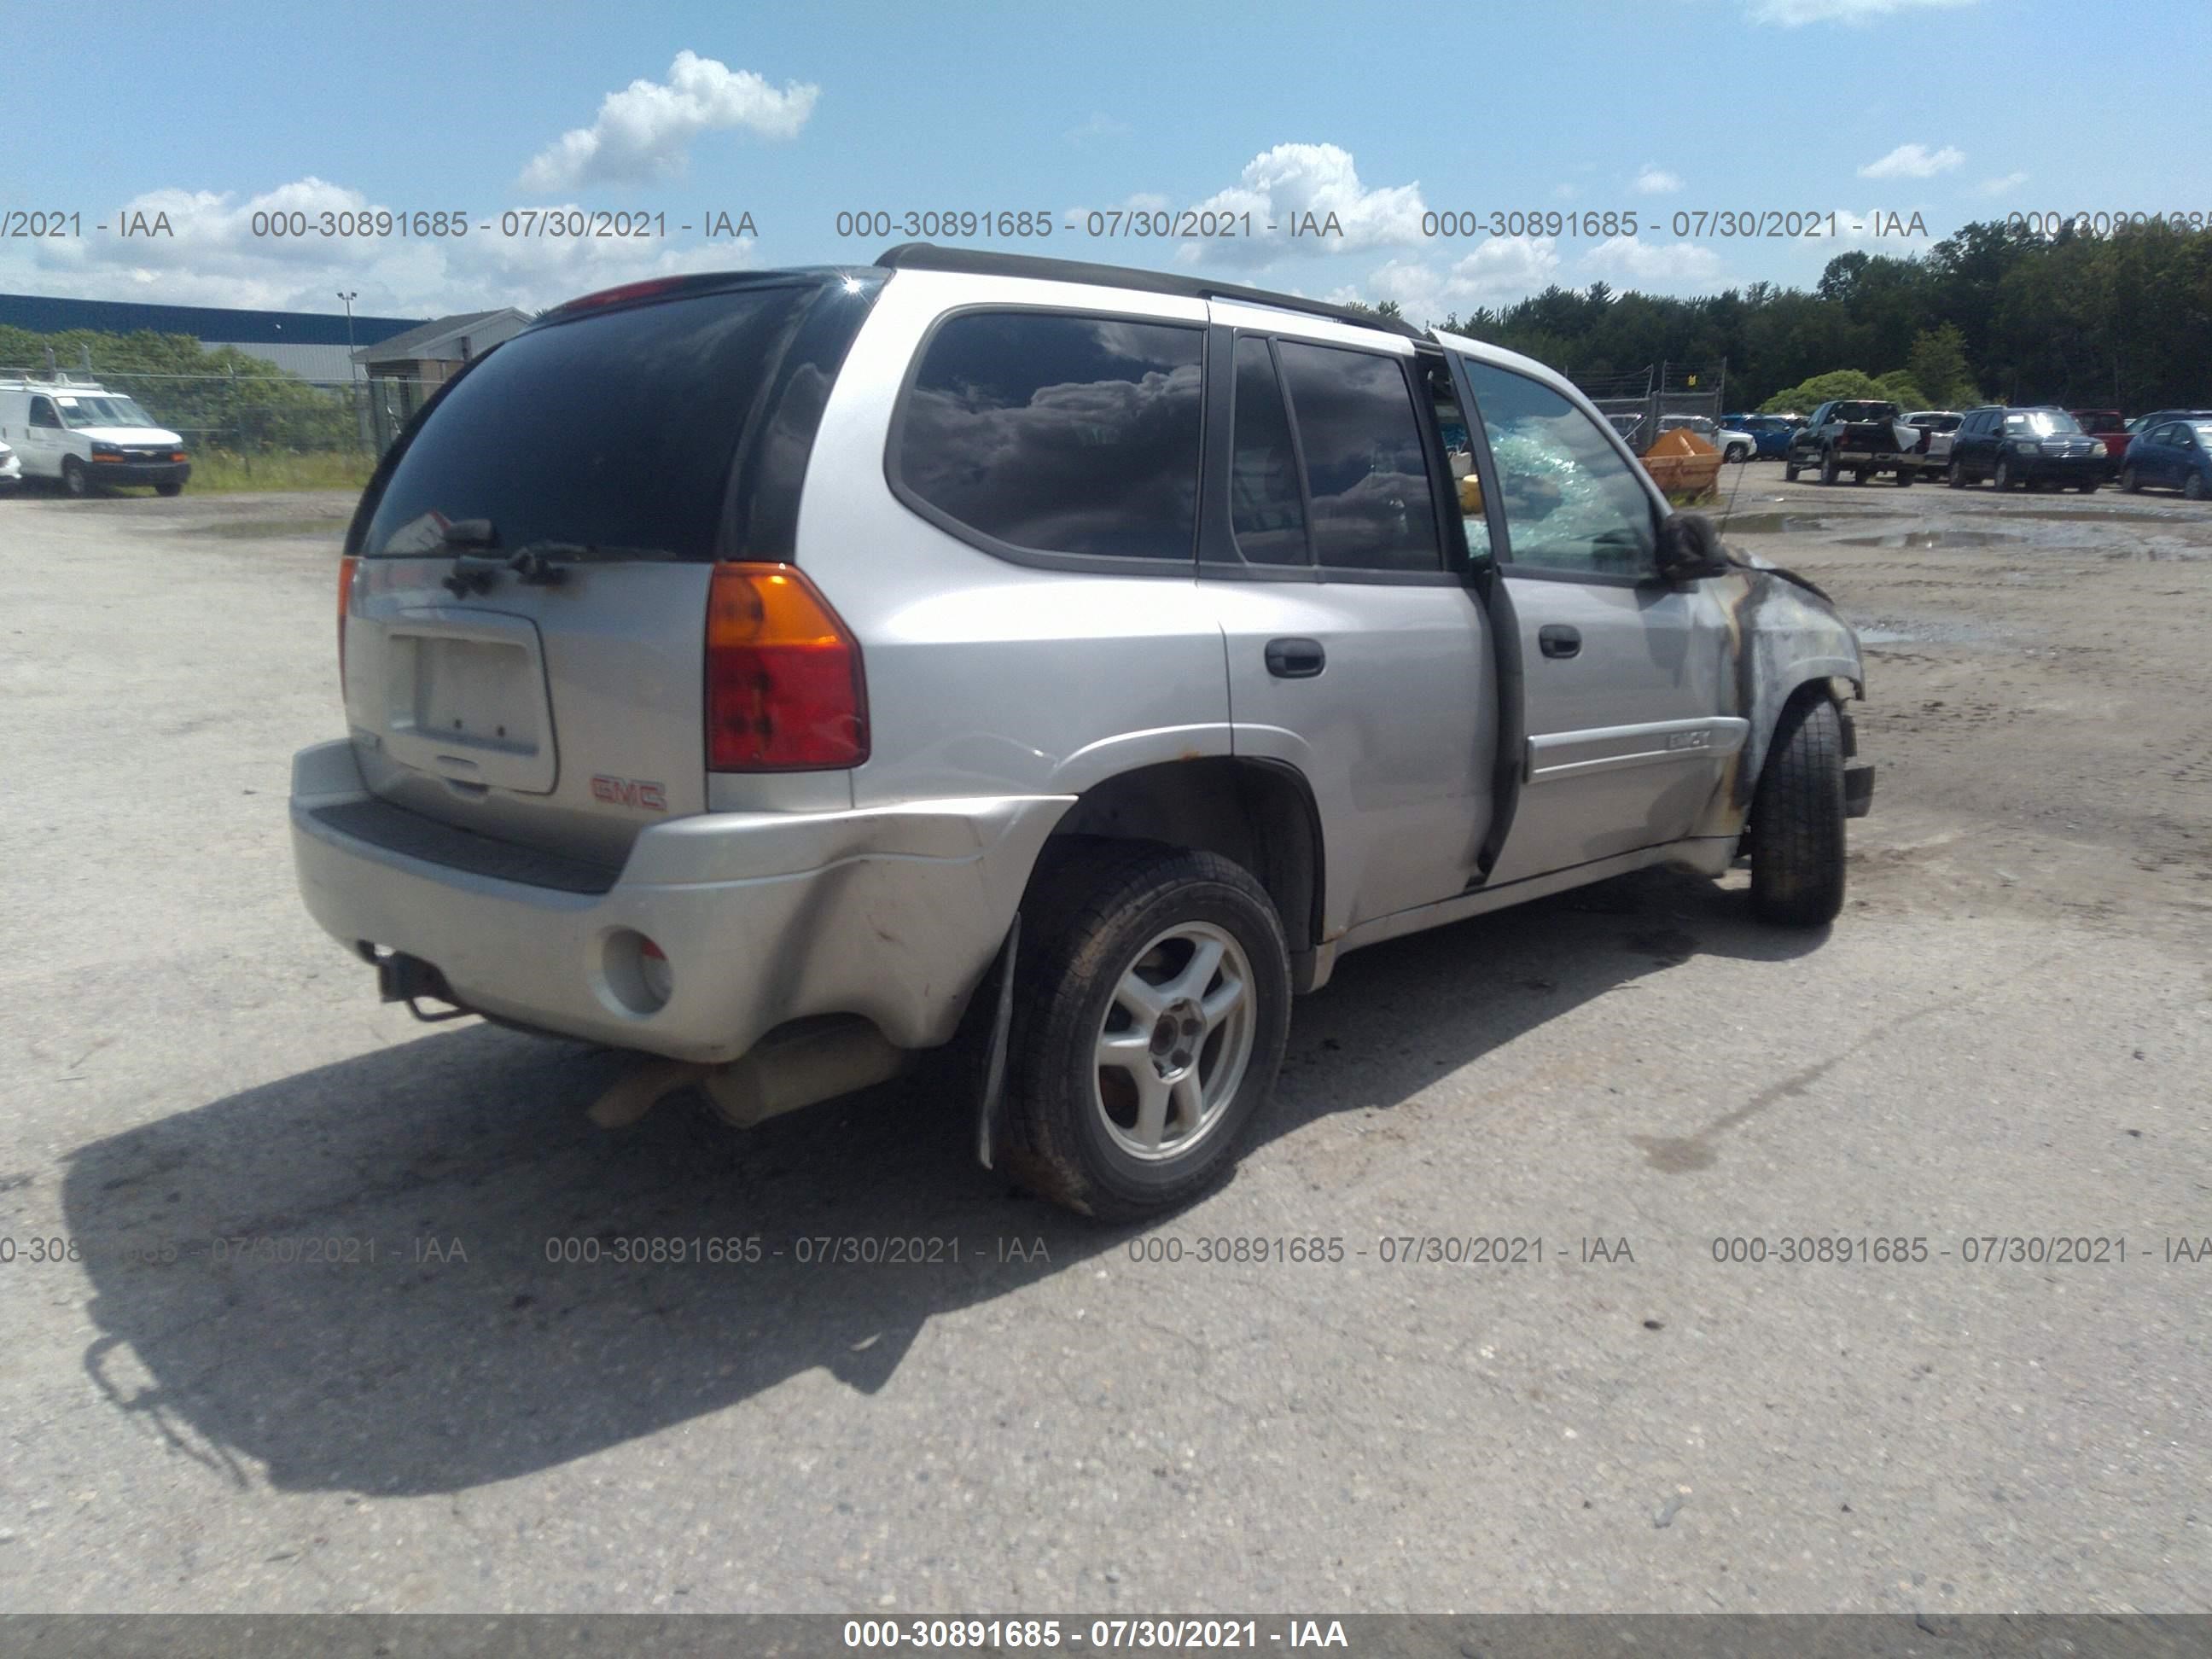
column 2005, row 1036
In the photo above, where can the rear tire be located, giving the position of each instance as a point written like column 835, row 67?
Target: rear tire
column 1125, row 1042
column 1737, row 455
column 168, row 489
column 1796, row 839
column 1905, row 477
column 2088, row 488
column 76, row 481
column 1829, row 471
column 2193, row 487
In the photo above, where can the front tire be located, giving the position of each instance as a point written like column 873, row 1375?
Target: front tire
column 2130, row 484
column 1905, row 477
column 168, row 489
column 1151, row 1001
column 1956, row 476
column 2193, row 487
column 76, row 481
column 2002, row 479
column 1796, row 839
column 1788, row 470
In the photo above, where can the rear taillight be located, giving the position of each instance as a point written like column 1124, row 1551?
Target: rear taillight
column 785, row 691
column 345, row 603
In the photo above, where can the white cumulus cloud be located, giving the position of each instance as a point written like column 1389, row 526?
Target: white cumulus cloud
column 645, row 130
column 1631, row 262
column 1795, row 14
column 1656, row 180
column 1998, row 187
column 1306, row 184
column 1502, row 270
column 216, row 257
column 1913, row 161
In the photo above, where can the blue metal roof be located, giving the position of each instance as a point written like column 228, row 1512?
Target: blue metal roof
column 43, row 314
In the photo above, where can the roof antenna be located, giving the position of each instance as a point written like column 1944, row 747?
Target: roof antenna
column 1742, row 467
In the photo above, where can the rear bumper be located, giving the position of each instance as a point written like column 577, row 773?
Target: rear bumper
column 892, row 914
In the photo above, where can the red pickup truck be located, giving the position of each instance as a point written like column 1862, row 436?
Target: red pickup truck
column 2108, row 428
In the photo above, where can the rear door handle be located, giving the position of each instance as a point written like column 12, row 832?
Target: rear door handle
column 1558, row 640
column 1296, row 660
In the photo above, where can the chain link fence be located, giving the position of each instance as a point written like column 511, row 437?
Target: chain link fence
column 1645, row 403
column 246, row 420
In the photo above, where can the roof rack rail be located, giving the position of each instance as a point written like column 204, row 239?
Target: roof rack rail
column 929, row 256
column 23, row 379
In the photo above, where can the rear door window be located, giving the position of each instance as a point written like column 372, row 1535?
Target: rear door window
column 1366, row 470
column 1056, row 435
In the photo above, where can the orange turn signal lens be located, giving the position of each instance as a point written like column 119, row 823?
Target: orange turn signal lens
column 785, row 691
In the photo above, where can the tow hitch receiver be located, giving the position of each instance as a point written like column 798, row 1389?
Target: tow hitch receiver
column 403, row 978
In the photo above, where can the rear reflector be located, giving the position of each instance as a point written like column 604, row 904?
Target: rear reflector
column 785, row 691
column 346, row 567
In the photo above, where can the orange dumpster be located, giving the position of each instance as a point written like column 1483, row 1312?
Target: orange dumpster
column 1682, row 462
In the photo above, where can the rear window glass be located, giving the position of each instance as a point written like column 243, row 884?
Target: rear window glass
column 1366, row 473
column 614, row 431
column 1058, row 434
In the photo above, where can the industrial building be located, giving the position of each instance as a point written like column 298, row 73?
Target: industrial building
column 310, row 343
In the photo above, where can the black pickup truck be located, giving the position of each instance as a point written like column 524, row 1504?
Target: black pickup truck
column 1856, row 435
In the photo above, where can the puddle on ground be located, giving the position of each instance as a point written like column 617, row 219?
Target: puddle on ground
column 254, row 529
column 1775, row 524
column 1938, row 538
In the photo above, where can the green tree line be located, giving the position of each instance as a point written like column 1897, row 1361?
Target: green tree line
column 2122, row 320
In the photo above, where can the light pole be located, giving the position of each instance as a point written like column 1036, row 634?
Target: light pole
column 353, row 369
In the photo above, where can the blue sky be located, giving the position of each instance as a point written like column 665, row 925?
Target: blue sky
column 1952, row 109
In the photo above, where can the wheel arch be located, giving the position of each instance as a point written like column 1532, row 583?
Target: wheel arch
column 1257, row 812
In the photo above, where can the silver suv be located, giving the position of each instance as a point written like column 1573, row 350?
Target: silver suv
column 787, row 674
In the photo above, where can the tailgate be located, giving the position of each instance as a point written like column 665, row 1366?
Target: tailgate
column 526, row 632
column 566, row 718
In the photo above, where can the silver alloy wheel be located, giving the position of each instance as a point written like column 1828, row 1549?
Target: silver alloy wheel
column 1175, row 1041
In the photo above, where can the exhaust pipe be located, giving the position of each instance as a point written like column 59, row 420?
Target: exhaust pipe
column 793, row 1065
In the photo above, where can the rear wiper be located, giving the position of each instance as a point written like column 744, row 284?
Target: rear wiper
column 542, row 564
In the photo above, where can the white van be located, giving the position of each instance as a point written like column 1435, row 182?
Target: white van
column 79, row 432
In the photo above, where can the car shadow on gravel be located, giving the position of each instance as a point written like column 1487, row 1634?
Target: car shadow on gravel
column 477, row 1323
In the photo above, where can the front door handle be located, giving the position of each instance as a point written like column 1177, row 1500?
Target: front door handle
column 1296, row 660
column 1558, row 640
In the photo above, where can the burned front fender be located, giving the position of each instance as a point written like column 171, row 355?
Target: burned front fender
column 1783, row 634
